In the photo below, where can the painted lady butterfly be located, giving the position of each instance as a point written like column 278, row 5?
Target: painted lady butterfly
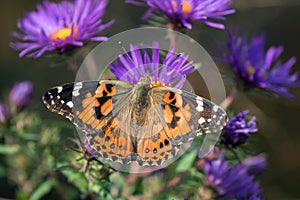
column 146, row 122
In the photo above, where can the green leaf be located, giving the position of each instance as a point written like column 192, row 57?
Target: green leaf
column 43, row 189
column 9, row 149
column 77, row 179
column 186, row 162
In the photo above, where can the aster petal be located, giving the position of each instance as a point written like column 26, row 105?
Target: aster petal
column 29, row 49
column 147, row 14
column 255, row 164
column 256, row 49
column 186, row 24
column 138, row 3
column 172, row 71
column 230, row 182
column 38, row 53
column 272, row 54
column 214, row 25
column 237, row 130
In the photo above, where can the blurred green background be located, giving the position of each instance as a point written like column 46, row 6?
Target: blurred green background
column 278, row 119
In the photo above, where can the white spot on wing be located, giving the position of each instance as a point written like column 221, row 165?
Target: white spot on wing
column 75, row 93
column 201, row 120
column 59, row 89
column 199, row 108
column 70, row 104
column 215, row 108
column 199, row 101
column 77, row 87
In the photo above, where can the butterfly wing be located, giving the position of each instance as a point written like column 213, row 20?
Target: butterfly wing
column 92, row 107
column 184, row 116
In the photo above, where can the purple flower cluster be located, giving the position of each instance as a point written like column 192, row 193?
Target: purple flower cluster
column 132, row 66
column 19, row 97
column 238, row 129
column 183, row 12
column 21, row 94
column 254, row 66
column 233, row 182
column 4, row 113
column 58, row 26
column 256, row 164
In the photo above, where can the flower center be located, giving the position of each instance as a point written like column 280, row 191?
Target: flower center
column 186, row 6
column 63, row 33
column 155, row 83
column 250, row 70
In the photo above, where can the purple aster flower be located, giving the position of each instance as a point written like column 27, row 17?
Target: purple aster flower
column 181, row 13
column 135, row 64
column 57, row 26
column 230, row 182
column 4, row 113
column 21, row 94
column 255, row 164
column 238, row 129
column 256, row 67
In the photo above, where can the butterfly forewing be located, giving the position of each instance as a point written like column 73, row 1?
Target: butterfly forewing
column 187, row 115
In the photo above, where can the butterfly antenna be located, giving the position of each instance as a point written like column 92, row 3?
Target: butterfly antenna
column 126, row 52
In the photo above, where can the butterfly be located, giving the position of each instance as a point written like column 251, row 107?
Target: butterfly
column 147, row 122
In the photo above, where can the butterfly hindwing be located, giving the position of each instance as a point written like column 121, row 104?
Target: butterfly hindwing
column 156, row 150
column 112, row 143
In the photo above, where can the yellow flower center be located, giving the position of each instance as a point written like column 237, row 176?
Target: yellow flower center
column 63, row 33
column 155, row 83
column 186, row 6
column 250, row 70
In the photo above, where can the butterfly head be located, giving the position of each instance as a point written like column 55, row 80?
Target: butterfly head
column 149, row 81
column 140, row 96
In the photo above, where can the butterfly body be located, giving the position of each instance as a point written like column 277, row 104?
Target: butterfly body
column 145, row 122
column 140, row 102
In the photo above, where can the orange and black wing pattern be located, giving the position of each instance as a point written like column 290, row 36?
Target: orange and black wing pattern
column 89, row 105
column 184, row 116
column 104, row 111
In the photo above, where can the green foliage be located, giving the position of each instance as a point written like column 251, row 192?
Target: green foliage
column 186, row 162
column 43, row 189
column 35, row 160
